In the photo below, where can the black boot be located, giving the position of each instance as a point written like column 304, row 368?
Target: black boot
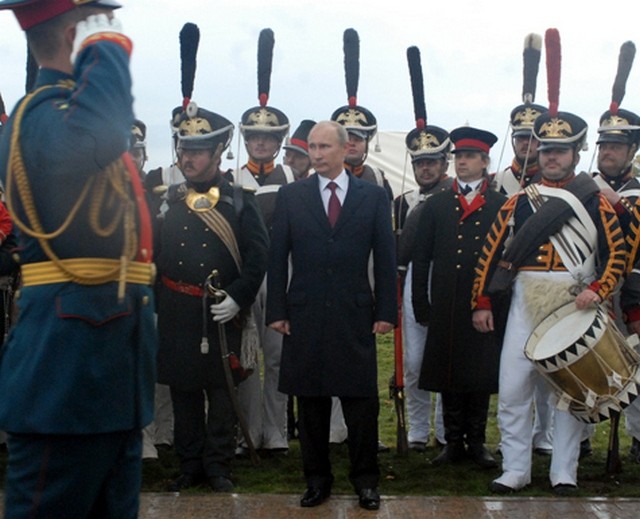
column 476, row 409
column 452, row 415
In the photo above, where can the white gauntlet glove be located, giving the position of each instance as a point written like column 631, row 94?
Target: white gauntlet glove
column 225, row 310
column 94, row 24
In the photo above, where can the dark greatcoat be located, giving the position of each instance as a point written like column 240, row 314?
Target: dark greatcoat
column 448, row 242
column 330, row 304
column 189, row 251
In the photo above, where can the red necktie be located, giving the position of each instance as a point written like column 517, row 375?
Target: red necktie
column 334, row 204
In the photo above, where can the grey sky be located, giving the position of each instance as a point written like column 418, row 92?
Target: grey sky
column 471, row 58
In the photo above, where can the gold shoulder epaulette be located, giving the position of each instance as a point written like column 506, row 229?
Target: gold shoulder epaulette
column 160, row 190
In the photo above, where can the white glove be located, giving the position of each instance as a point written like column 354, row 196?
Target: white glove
column 94, row 24
column 225, row 310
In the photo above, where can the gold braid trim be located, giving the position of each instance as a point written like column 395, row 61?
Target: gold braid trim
column 115, row 176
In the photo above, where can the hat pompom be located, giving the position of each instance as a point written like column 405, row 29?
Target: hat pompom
column 625, row 60
column 554, row 60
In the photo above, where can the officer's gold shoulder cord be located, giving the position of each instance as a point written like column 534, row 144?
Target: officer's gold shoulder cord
column 115, row 174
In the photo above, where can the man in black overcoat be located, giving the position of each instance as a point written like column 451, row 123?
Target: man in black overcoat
column 458, row 361
column 329, row 313
column 209, row 225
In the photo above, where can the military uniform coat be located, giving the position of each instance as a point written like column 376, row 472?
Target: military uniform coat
column 329, row 303
column 189, row 250
column 448, row 242
column 78, row 360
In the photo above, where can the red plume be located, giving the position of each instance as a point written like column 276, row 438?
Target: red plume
column 554, row 58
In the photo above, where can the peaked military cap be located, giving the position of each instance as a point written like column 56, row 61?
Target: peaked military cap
column 299, row 141
column 467, row 138
column 33, row 12
column 563, row 130
column 200, row 129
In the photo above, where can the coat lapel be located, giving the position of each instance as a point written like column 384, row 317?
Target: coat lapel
column 352, row 202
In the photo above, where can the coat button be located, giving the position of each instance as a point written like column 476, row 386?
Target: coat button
column 459, row 236
column 145, row 300
column 459, row 251
column 458, row 267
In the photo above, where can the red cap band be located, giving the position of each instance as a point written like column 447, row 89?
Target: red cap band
column 463, row 144
column 300, row 143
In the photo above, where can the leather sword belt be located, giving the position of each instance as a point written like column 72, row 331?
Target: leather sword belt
column 183, row 288
column 88, row 270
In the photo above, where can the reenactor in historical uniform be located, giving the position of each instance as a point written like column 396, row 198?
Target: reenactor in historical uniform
column 458, row 362
column 429, row 147
column 78, row 369
column 360, row 123
column 546, row 255
column 618, row 141
column 524, row 168
column 264, row 129
column 209, row 226
column 296, row 150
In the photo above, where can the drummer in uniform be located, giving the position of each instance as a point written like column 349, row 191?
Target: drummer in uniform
column 522, row 247
column 78, row 368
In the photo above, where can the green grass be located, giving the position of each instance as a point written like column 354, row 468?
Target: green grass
column 411, row 475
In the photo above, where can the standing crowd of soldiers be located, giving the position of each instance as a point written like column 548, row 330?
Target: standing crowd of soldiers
column 271, row 281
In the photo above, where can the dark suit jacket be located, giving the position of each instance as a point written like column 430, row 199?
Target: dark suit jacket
column 329, row 302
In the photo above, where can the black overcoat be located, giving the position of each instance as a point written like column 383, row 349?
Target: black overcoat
column 448, row 241
column 330, row 303
column 188, row 251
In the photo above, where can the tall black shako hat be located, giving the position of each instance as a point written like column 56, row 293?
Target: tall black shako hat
column 556, row 129
column 424, row 141
column 33, row 12
column 617, row 125
column 264, row 118
column 299, row 141
column 355, row 119
column 523, row 116
column 196, row 128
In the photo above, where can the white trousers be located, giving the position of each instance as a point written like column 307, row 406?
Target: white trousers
column 518, row 379
column 263, row 406
column 419, row 401
column 160, row 431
